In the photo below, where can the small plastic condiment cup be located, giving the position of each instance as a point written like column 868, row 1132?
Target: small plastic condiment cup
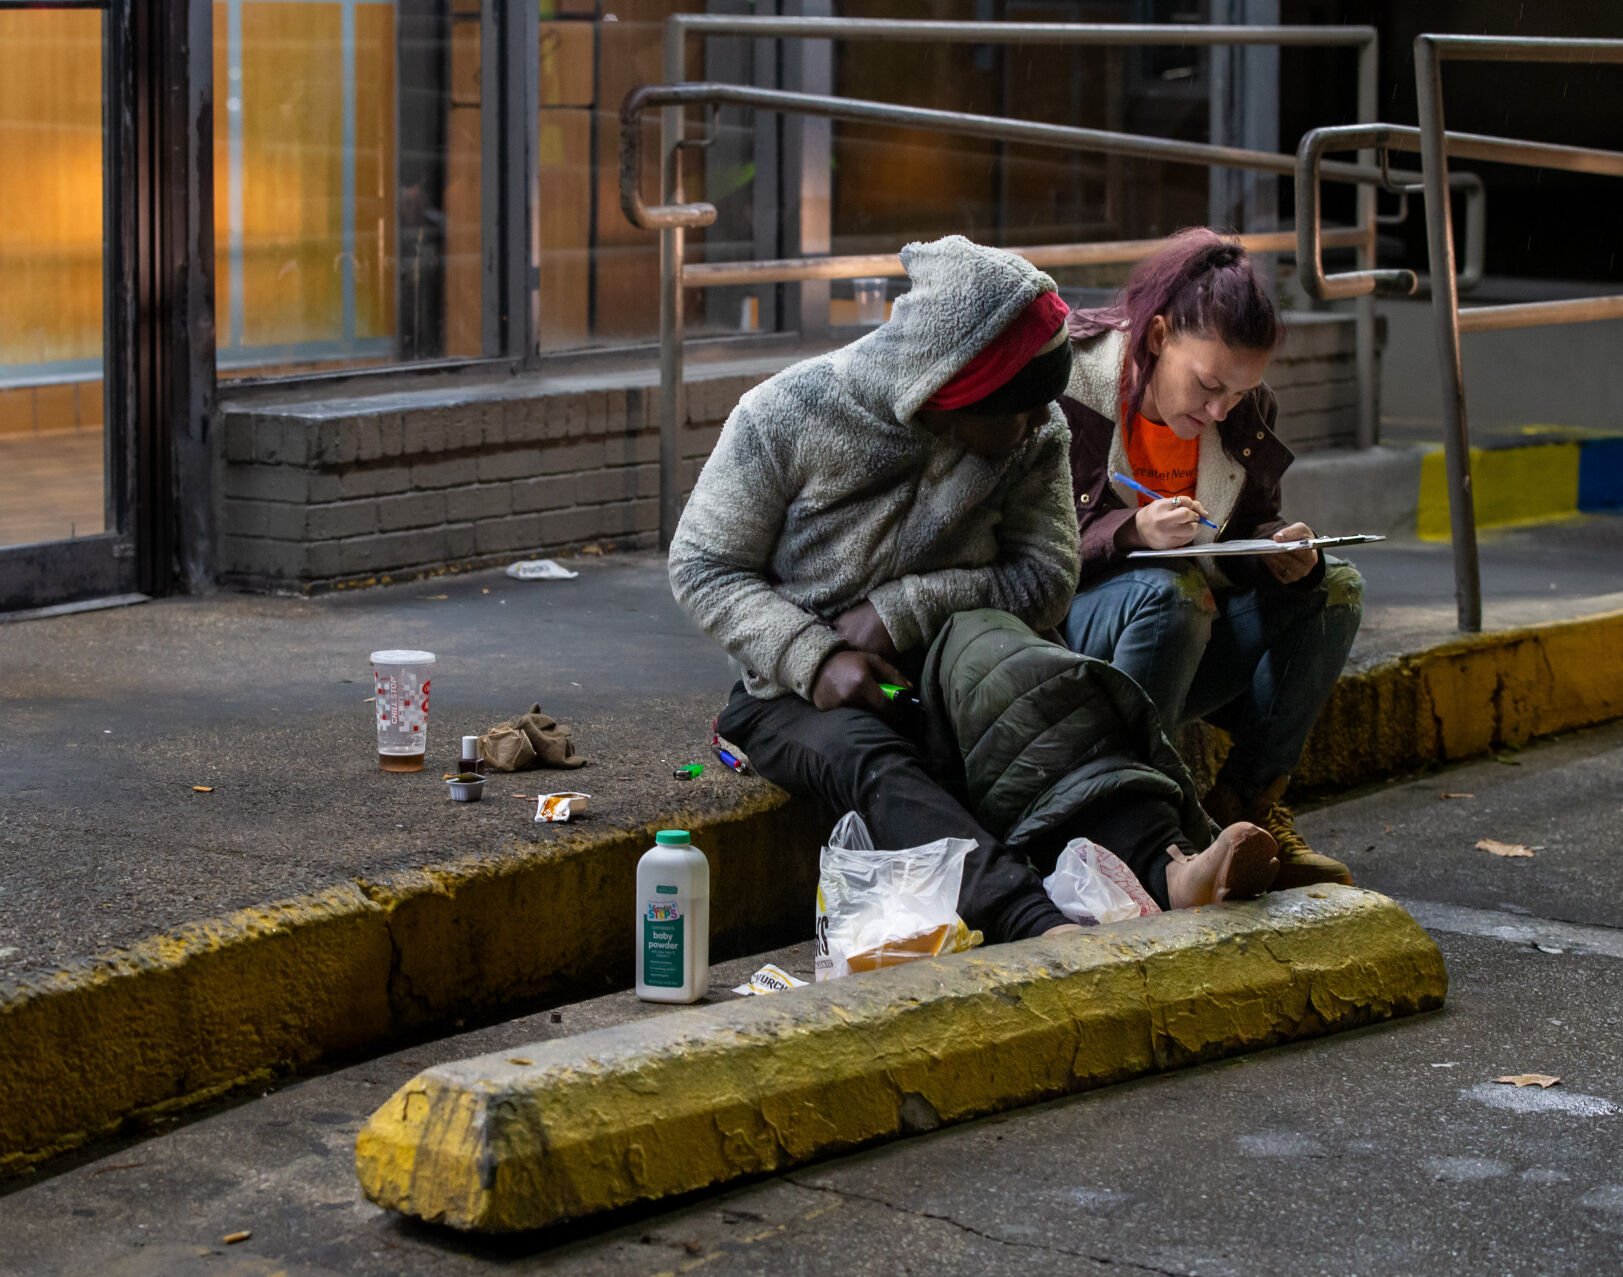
column 467, row 787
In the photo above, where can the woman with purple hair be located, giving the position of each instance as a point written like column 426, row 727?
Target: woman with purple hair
column 1166, row 388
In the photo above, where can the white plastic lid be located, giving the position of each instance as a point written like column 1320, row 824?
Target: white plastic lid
column 470, row 746
column 401, row 656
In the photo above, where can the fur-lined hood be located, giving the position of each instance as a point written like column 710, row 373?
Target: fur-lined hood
column 823, row 491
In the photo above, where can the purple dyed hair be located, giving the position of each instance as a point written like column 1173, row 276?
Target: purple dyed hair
column 1200, row 283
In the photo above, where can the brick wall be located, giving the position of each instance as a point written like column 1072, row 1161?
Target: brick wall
column 1315, row 376
column 404, row 485
column 410, row 483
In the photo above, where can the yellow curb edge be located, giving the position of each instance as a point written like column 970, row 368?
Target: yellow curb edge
column 699, row 1097
column 214, row 1006
column 217, row 1005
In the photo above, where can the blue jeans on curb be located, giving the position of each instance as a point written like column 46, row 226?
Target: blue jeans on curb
column 1258, row 662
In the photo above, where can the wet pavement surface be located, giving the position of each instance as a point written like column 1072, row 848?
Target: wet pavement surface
column 112, row 717
column 1387, row 1150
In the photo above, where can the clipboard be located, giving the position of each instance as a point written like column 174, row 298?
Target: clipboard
column 1221, row 549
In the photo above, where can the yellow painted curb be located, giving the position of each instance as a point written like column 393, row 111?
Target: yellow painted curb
column 557, row 1130
column 1457, row 700
column 1508, row 486
column 189, row 1015
column 1466, row 697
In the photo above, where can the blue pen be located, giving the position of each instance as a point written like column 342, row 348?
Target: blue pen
column 1136, row 486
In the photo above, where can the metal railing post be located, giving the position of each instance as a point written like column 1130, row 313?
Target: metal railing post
column 1446, row 328
column 672, row 258
column 1369, row 385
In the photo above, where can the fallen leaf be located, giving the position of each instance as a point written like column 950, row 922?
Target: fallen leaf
column 1497, row 848
column 1508, row 762
column 116, row 1166
column 519, row 1059
column 202, row 789
column 231, row 1239
column 1450, row 794
column 1529, row 1079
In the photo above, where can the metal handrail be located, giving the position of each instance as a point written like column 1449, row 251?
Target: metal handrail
column 680, row 216
column 1310, row 237
column 672, row 235
column 1448, row 320
column 1104, row 141
column 1110, row 252
column 905, row 30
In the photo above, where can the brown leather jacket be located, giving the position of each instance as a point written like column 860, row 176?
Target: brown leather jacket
column 1248, row 440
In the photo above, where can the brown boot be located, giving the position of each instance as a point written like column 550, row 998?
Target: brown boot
column 1299, row 864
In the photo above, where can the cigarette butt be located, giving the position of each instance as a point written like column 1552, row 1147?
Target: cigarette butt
column 202, row 789
column 231, row 1239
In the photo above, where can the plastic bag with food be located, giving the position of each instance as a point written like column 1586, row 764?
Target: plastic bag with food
column 881, row 908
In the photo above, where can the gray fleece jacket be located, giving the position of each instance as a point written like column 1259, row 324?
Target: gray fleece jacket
column 822, row 490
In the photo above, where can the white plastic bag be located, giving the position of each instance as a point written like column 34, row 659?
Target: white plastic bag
column 880, row 908
column 1091, row 885
column 540, row 570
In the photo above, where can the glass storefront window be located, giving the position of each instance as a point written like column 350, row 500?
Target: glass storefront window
column 347, row 183
column 1010, row 194
column 52, row 444
column 599, row 275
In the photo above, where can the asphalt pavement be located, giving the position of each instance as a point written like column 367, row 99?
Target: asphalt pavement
column 1388, row 1150
column 112, row 717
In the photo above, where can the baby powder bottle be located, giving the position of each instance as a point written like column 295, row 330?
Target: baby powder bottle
column 673, row 920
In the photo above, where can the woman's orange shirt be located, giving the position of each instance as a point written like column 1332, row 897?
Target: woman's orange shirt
column 1161, row 460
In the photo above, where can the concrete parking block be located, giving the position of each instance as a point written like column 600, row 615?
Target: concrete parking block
column 531, row 1137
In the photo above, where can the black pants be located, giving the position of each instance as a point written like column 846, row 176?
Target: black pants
column 854, row 760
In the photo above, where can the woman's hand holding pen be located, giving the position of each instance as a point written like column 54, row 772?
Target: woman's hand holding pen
column 1293, row 565
column 1168, row 523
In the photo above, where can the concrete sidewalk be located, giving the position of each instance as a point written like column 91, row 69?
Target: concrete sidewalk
column 314, row 906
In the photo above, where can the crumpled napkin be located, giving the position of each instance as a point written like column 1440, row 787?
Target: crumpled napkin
column 533, row 739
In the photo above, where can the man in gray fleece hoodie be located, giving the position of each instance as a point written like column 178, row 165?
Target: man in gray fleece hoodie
column 857, row 501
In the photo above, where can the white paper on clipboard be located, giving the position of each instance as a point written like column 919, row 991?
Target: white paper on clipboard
column 1220, row 549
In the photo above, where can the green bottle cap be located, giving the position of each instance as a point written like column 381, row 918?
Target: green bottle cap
column 673, row 838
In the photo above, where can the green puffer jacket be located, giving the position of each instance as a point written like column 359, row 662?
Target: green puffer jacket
column 1045, row 735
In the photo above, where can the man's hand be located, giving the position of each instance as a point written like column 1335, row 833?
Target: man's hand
column 861, row 627
column 853, row 678
column 1168, row 524
column 1294, row 565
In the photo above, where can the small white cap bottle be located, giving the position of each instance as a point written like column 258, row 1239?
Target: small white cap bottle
column 673, row 920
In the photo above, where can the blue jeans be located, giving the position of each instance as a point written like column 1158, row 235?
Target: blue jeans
column 1258, row 662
